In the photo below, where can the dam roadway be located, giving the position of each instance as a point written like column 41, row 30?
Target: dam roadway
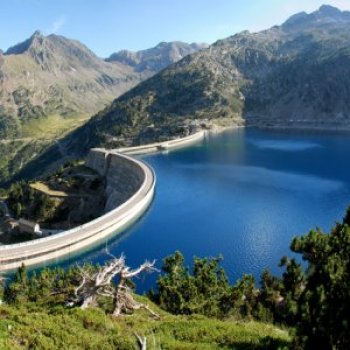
column 53, row 247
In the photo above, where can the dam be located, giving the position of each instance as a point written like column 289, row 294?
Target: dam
column 236, row 195
column 130, row 189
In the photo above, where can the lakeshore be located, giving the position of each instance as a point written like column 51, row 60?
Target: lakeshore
column 53, row 247
column 122, row 208
column 234, row 194
column 263, row 200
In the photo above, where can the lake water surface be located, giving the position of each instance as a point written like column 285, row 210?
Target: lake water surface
column 243, row 194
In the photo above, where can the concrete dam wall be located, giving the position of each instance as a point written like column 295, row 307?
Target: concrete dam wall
column 130, row 186
column 130, row 189
column 123, row 178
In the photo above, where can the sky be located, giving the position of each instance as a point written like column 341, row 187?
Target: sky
column 107, row 26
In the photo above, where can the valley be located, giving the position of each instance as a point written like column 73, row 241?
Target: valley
column 268, row 79
column 51, row 85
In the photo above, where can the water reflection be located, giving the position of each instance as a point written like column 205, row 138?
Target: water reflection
column 243, row 194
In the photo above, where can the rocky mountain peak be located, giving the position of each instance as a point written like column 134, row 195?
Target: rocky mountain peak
column 55, row 52
column 155, row 58
column 329, row 11
column 37, row 33
column 326, row 14
column 36, row 39
column 127, row 57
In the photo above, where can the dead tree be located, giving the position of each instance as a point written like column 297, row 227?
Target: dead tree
column 124, row 301
column 99, row 283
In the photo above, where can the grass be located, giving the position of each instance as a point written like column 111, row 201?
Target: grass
column 30, row 326
column 53, row 126
column 43, row 188
column 36, row 135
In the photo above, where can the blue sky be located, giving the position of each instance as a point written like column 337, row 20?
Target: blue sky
column 106, row 26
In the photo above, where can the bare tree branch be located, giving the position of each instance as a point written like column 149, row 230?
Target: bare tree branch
column 99, row 283
column 145, row 267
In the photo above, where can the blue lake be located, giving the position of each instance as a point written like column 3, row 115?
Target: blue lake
column 243, row 194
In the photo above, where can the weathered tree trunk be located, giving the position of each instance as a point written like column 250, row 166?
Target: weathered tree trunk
column 89, row 301
column 118, row 303
column 100, row 283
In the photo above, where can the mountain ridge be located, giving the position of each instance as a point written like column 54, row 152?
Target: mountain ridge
column 268, row 79
column 282, row 77
column 41, row 63
column 49, row 85
column 157, row 57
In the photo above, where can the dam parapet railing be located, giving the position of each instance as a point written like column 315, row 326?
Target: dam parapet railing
column 124, row 205
column 163, row 146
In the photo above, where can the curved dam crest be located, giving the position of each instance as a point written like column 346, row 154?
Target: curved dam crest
column 130, row 190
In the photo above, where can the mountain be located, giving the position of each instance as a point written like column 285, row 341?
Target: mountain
column 325, row 15
column 290, row 76
column 52, row 75
column 157, row 58
column 50, row 85
column 294, row 75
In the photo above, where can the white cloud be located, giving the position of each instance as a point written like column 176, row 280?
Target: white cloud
column 56, row 25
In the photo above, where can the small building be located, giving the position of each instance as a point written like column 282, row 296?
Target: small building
column 26, row 226
column 11, row 224
column 163, row 146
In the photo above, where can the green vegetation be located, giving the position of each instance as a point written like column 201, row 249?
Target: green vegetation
column 73, row 194
column 53, row 126
column 198, row 307
column 31, row 326
column 15, row 153
column 323, row 291
column 26, row 202
column 35, row 316
column 314, row 301
column 180, row 292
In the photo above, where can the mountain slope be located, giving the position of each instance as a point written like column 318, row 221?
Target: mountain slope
column 50, row 85
column 294, row 75
column 52, row 75
column 283, row 77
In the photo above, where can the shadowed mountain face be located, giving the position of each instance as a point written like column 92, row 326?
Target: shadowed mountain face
column 294, row 75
